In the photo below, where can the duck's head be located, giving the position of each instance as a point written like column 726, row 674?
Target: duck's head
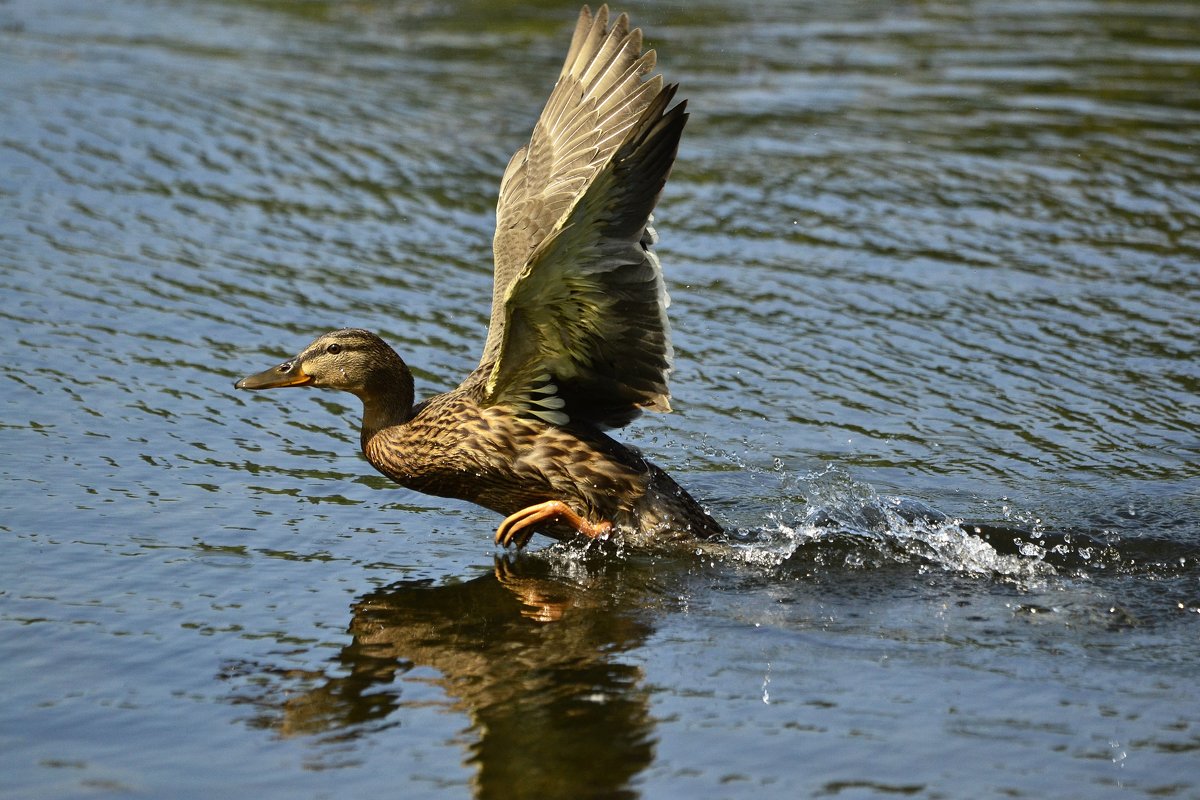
column 351, row 359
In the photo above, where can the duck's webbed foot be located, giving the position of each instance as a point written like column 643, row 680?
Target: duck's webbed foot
column 519, row 527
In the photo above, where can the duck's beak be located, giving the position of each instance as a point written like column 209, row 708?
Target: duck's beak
column 289, row 373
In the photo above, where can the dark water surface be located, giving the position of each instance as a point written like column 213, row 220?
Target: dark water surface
column 936, row 281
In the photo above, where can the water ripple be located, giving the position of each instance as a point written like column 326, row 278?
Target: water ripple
column 934, row 271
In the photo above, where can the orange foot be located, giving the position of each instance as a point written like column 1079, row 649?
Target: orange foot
column 518, row 528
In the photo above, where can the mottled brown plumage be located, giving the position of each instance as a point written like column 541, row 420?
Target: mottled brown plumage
column 578, row 339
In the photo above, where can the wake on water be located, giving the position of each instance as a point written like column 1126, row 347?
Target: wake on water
column 828, row 520
column 845, row 523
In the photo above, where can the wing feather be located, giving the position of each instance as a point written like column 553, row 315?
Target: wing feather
column 601, row 93
column 585, row 333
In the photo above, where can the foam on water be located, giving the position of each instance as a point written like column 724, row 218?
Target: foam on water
column 847, row 523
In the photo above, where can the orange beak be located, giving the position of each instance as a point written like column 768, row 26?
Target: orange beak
column 289, row 373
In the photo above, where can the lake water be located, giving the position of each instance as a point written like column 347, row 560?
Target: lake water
column 935, row 271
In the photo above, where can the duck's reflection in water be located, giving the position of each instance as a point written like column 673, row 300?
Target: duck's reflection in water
column 530, row 654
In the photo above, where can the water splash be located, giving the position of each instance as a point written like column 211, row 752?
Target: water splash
column 846, row 523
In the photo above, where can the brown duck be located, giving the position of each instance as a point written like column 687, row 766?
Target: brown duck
column 578, row 340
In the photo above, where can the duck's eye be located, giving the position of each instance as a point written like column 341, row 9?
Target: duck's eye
column 333, row 349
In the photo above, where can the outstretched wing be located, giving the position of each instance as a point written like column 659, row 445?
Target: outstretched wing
column 584, row 333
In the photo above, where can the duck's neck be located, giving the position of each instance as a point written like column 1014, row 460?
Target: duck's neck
column 387, row 400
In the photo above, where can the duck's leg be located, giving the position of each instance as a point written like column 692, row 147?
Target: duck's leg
column 518, row 528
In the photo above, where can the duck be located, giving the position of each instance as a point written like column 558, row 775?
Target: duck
column 578, row 341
